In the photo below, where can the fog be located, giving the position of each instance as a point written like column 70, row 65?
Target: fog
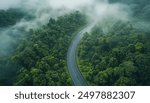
column 41, row 10
column 44, row 9
column 103, row 12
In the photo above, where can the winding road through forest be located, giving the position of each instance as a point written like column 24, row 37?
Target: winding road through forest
column 73, row 69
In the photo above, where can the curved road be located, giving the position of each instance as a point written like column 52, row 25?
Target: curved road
column 75, row 74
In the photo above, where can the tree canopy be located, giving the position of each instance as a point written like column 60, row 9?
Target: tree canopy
column 40, row 59
column 118, row 58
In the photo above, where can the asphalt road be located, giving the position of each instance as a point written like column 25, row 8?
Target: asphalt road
column 75, row 74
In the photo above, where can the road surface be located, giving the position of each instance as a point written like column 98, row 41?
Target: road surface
column 74, row 72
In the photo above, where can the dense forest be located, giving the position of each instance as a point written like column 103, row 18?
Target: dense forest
column 119, row 58
column 40, row 59
column 10, row 17
column 140, row 8
column 35, row 37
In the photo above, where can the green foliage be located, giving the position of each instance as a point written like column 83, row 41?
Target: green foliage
column 118, row 58
column 7, row 71
column 10, row 17
column 41, row 58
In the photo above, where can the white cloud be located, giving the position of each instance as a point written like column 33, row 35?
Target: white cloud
column 42, row 10
column 5, row 4
column 70, row 4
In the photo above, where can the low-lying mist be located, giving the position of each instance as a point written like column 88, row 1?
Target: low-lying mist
column 106, row 12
